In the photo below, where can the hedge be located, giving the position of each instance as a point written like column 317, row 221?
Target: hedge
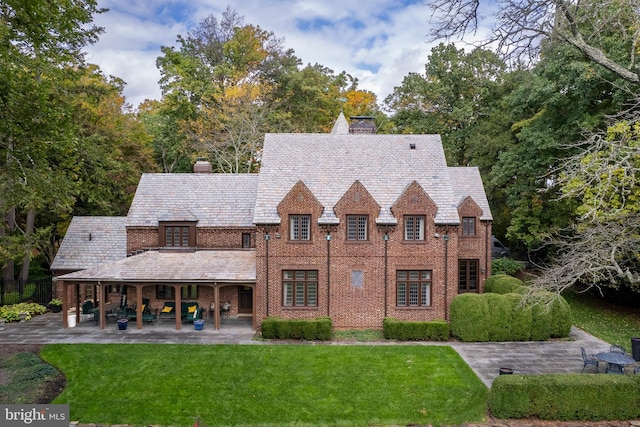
column 437, row 330
column 12, row 313
column 562, row 397
column 316, row 329
column 504, row 284
column 496, row 317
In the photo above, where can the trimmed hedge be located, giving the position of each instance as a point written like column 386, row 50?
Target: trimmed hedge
column 437, row 330
column 496, row 317
column 504, row 284
column 316, row 329
column 579, row 397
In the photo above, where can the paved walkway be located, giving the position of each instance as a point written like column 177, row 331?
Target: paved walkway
column 486, row 359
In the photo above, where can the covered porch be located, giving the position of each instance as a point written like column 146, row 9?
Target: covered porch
column 208, row 277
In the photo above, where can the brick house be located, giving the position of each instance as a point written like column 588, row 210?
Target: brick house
column 350, row 224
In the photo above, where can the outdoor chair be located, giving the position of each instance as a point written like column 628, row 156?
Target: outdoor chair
column 225, row 309
column 614, row 368
column 87, row 311
column 194, row 315
column 636, row 370
column 588, row 360
column 168, row 311
column 617, row 349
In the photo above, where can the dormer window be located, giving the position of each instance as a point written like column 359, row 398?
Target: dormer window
column 357, row 227
column 469, row 226
column 300, row 227
column 177, row 235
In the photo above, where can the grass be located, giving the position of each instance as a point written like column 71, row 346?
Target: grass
column 171, row 385
column 612, row 323
column 26, row 375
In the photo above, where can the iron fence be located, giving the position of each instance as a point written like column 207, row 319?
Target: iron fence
column 17, row 291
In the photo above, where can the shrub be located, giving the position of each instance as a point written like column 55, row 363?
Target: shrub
column 496, row 317
column 506, row 266
column 469, row 314
column 275, row 327
column 436, row 330
column 504, row 284
column 566, row 397
column 12, row 313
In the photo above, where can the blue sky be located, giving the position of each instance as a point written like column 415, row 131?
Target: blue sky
column 377, row 41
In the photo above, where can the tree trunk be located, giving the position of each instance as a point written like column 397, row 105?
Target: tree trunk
column 28, row 232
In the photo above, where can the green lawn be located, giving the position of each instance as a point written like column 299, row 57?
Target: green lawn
column 612, row 323
column 171, row 385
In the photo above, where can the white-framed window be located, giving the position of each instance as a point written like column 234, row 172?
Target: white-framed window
column 414, row 227
column 357, row 227
column 300, row 227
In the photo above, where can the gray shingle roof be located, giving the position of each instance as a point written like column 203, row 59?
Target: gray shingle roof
column 466, row 181
column 214, row 200
column 329, row 164
column 90, row 241
column 155, row 266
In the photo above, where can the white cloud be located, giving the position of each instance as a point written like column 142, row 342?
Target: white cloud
column 379, row 42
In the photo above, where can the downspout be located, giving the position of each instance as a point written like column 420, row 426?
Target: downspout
column 386, row 267
column 446, row 273
column 487, row 248
column 328, row 237
column 267, row 237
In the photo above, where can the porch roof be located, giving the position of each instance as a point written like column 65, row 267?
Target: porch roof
column 165, row 267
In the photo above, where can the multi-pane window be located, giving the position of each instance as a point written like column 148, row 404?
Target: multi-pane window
column 414, row 227
column 165, row 292
column 189, row 292
column 246, row 240
column 357, row 227
column 176, row 235
column 469, row 226
column 413, row 288
column 300, row 227
column 468, row 275
column 300, row 288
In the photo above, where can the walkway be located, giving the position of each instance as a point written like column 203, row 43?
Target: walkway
column 486, row 359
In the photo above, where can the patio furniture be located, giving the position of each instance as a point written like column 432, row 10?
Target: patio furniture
column 616, row 361
column 617, row 349
column 187, row 307
column 636, row 370
column 225, row 309
column 168, row 311
column 588, row 360
column 194, row 315
column 87, row 311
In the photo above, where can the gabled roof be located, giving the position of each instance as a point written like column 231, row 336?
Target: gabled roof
column 466, row 181
column 340, row 127
column 213, row 200
column 90, row 241
column 166, row 267
column 329, row 164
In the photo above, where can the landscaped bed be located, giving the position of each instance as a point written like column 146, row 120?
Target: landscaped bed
column 267, row 384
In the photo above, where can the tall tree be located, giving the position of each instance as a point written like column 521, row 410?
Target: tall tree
column 520, row 26
column 40, row 41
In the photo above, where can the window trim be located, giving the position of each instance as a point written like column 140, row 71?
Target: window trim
column 297, row 226
column 360, row 220
column 468, row 221
column 467, row 269
column 191, row 234
column 421, row 232
column 294, row 281
column 421, row 282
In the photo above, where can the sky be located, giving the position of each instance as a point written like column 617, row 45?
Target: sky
column 377, row 41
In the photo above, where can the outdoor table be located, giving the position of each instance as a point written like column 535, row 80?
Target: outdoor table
column 615, row 360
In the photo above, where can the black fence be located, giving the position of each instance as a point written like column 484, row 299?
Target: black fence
column 16, row 291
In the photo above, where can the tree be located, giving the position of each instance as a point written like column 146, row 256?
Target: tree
column 41, row 41
column 520, row 26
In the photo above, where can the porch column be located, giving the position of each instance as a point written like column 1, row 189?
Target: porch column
column 216, row 304
column 177, row 289
column 139, row 306
column 65, row 305
column 102, row 293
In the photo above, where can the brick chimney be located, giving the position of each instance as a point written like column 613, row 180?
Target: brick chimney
column 362, row 124
column 202, row 166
